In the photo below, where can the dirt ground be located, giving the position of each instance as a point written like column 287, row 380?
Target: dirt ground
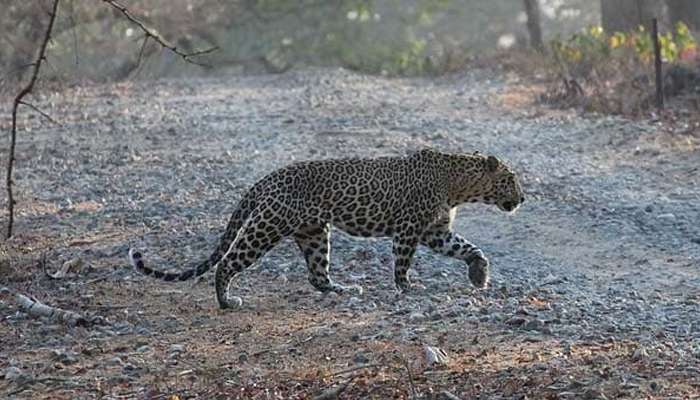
column 595, row 290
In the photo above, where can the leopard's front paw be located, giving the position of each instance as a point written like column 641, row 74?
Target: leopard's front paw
column 341, row 289
column 479, row 272
column 403, row 285
column 230, row 303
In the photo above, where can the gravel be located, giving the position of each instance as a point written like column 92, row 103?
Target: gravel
column 604, row 248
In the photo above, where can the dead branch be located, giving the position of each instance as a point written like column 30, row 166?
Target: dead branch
column 143, row 47
column 41, row 58
column 38, row 310
column 448, row 396
column 15, row 105
column 333, row 393
column 27, row 385
column 353, row 369
column 38, row 111
column 151, row 33
column 282, row 347
column 414, row 392
column 72, row 265
column 101, row 278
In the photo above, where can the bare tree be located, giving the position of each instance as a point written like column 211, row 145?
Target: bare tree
column 15, row 106
column 627, row 15
column 149, row 34
column 534, row 26
column 687, row 11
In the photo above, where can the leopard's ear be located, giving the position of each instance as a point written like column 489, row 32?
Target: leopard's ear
column 492, row 163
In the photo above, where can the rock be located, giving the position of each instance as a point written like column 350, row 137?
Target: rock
column 534, row 325
column 15, row 374
column 143, row 349
column 640, row 354
column 435, row 356
column 115, row 361
column 524, row 311
column 354, row 302
column 142, row 331
column 106, row 332
column 330, row 296
column 118, row 379
column 64, row 357
column 435, row 316
column 130, row 368
column 516, row 321
column 360, row 358
column 453, row 312
column 594, row 394
column 370, row 306
column 550, row 280
column 416, row 316
column 445, row 395
column 176, row 348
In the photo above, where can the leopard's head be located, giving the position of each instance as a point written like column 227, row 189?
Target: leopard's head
column 502, row 187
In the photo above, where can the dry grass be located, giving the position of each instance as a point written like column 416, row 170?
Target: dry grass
column 292, row 350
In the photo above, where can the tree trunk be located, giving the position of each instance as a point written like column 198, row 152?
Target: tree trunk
column 627, row 15
column 534, row 27
column 687, row 11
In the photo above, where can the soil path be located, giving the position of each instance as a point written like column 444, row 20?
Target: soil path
column 595, row 281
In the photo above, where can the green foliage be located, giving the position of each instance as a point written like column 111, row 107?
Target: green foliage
column 612, row 72
column 593, row 46
column 390, row 39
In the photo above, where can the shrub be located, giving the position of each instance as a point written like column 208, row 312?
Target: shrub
column 613, row 72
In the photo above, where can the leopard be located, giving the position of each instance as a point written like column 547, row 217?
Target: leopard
column 410, row 199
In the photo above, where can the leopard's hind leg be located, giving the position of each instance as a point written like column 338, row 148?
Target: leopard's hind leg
column 314, row 243
column 235, row 224
column 255, row 238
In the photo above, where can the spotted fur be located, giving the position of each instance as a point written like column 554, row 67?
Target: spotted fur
column 410, row 199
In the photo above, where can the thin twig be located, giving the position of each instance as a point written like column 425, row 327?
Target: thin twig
column 26, row 385
column 353, row 369
column 53, row 68
column 143, row 47
column 333, row 393
column 14, row 70
column 414, row 393
column 101, row 278
column 282, row 347
column 43, row 114
column 43, row 264
column 160, row 39
column 71, row 16
column 15, row 105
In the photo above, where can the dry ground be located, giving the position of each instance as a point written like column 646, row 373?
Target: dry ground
column 595, row 287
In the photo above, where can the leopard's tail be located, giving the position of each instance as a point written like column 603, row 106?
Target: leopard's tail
column 237, row 219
